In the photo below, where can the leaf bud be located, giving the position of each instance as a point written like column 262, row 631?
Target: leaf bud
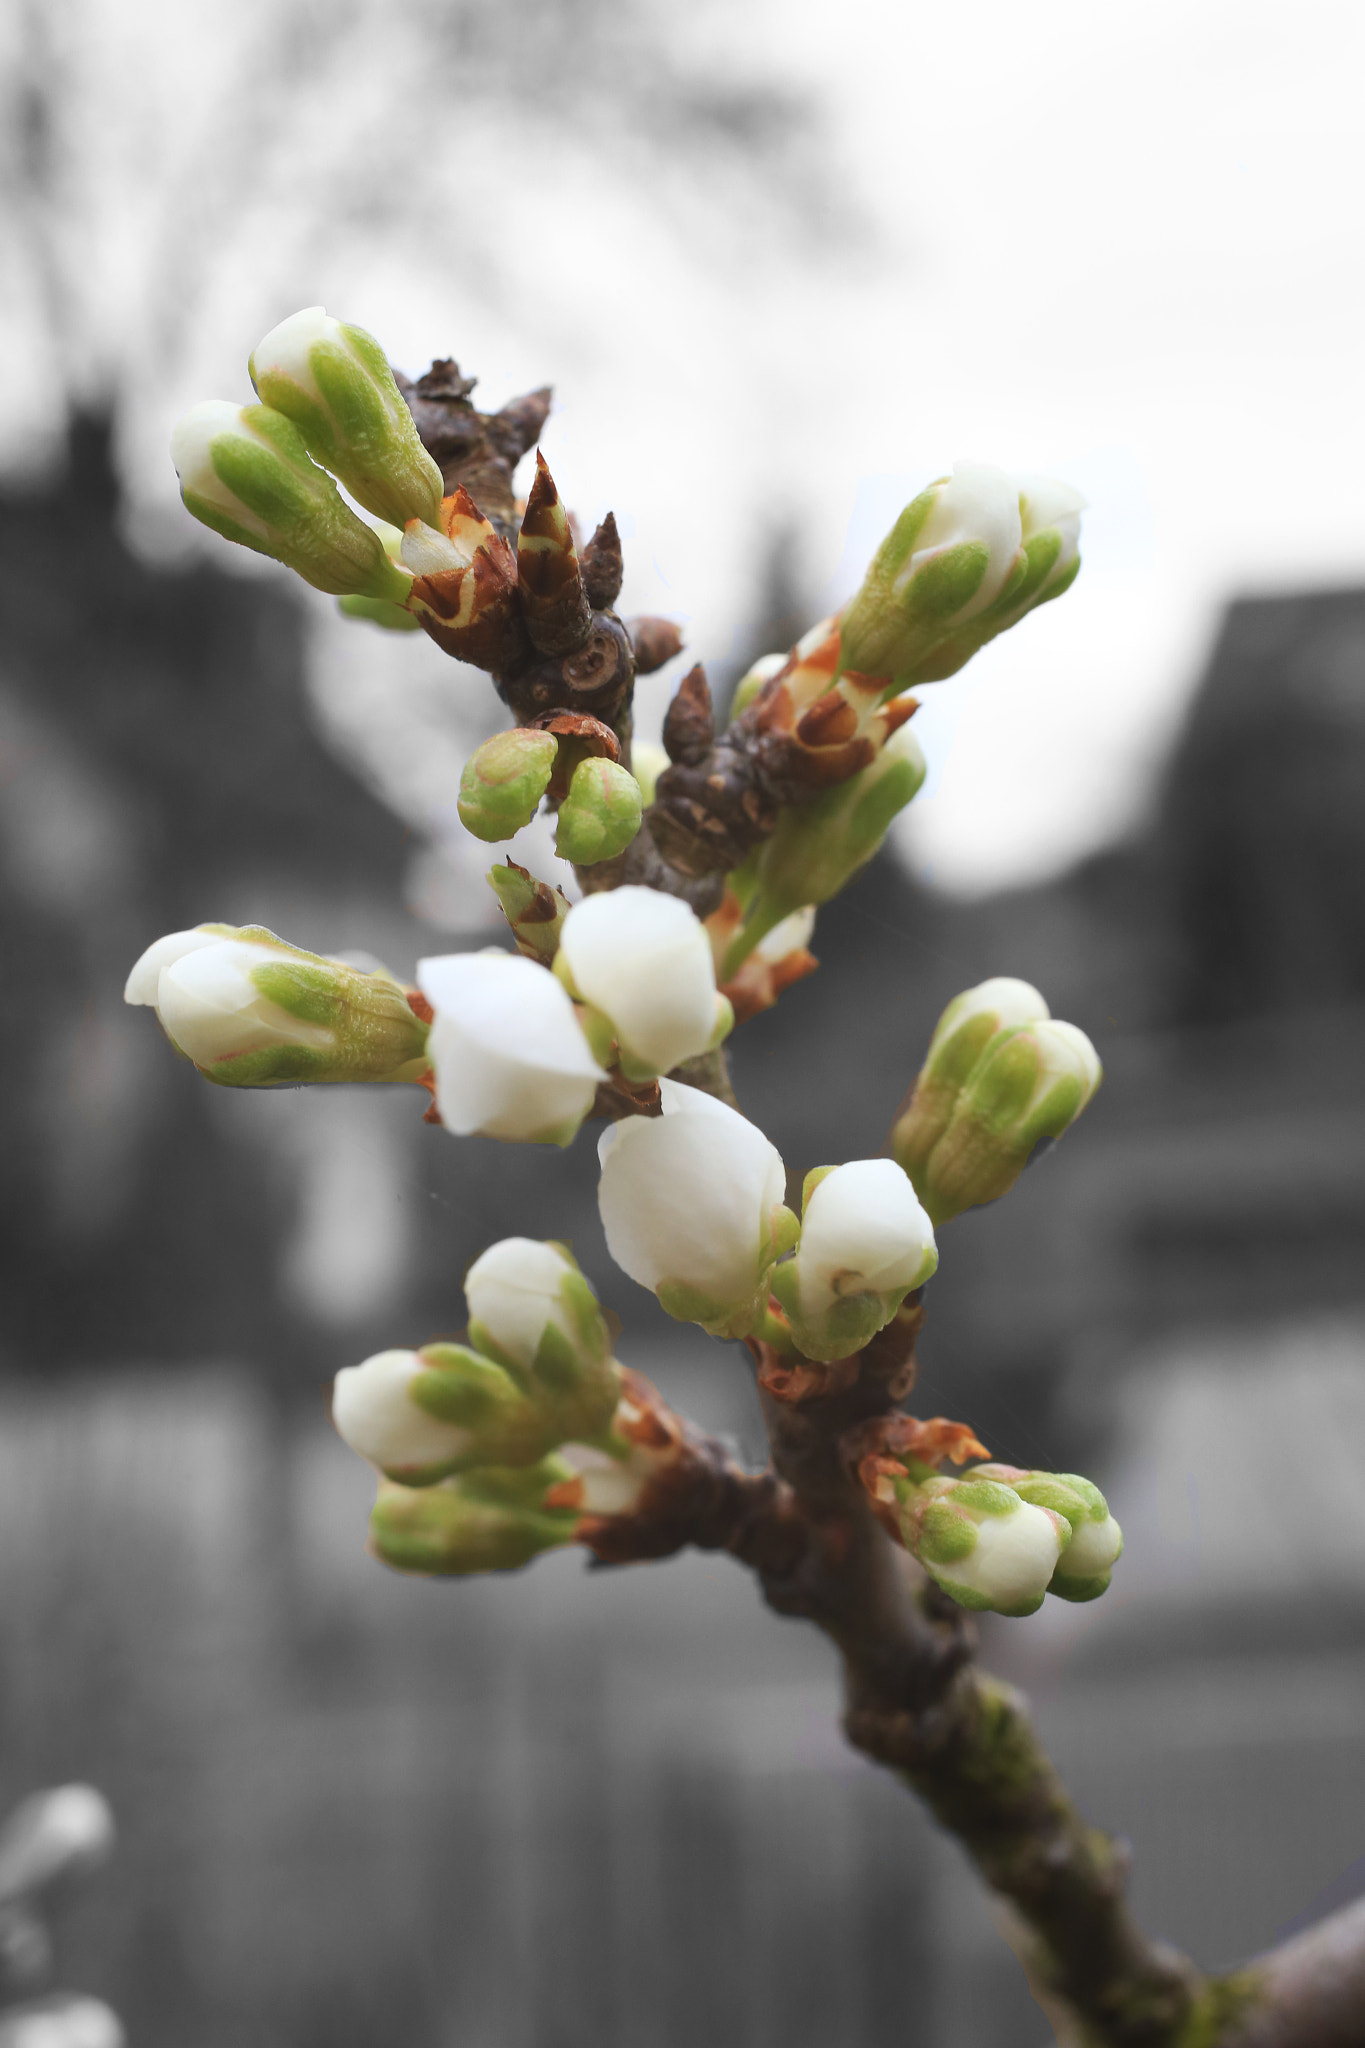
column 252, row 1011
column 245, row 472
column 334, row 382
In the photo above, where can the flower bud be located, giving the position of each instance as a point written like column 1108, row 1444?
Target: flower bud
column 491, row 1519
column 818, row 846
column 961, row 1036
column 1047, row 564
column 532, row 1309
column 1025, row 1090
column 334, row 382
column 601, row 813
column 252, row 1011
column 504, row 780
column 54, row 1836
column 985, row 1546
column 691, row 1202
column 62, row 2022
column 1087, row 1563
column 865, row 1242
column 245, row 471
column 506, row 1049
column 948, row 556
column 643, row 960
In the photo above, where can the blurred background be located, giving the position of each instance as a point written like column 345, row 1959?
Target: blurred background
column 782, row 267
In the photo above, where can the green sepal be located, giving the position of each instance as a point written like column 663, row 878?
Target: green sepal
column 947, row 583
column 380, row 612
column 689, row 1305
column 1079, row 1589
column 945, row 1535
column 272, row 1066
column 490, row 1519
column 811, row 1183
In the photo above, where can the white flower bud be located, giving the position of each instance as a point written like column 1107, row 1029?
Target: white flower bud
column 982, row 1544
column 62, row 2023
column 691, row 1203
column 509, row 1057
column 865, row 1242
column 644, row 960
column 252, row 1011
column 373, row 1410
column 527, row 1299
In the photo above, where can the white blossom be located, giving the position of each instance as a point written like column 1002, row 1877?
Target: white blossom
column 506, row 1049
column 691, row 1203
column 644, row 959
column 518, row 1287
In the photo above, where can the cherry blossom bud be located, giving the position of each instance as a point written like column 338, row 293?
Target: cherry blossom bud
column 491, row 1519
column 62, row 2022
column 961, row 1036
column 1087, row 1563
column 252, row 1011
column 504, row 780
column 1026, row 1090
column 949, row 556
column 1047, row 564
column 509, row 1056
column 818, row 846
column 691, row 1202
column 244, row 471
column 421, row 1415
column 985, row 1546
column 865, row 1242
column 334, row 382
column 601, row 813
column 532, row 1309
column 643, row 960
column 53, row 1836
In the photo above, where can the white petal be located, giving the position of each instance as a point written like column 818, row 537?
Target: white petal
column 1046, row 502
column 978, row 502
column 1015, row 1556
column 429, row 553
column 1093, row 1548
column 142, row 984
column 1067, row 1050
column 644, row 958
column 374, row 1414
column 792, row 934
column 687, row 1196
column 508, row 1054
column 863, row 1219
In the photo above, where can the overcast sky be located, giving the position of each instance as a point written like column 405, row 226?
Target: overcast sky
column 1116, row 242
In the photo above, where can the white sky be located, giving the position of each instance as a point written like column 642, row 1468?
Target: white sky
column 1116, row 242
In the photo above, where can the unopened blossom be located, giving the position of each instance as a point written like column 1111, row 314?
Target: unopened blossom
column 506, row 1049
column 531, row 1307
column 643, row 959
column 865, row 1242
column 376, row 1414
column 692, row 1205
column 1086, row 1565
column 334, row 382
column 492, row 1519
column 252, row 1011
column 244, row 471
column 983, row 1544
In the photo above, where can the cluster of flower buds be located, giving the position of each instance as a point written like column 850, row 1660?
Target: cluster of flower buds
column 968, row 557
column 572, row 759
column 1001, row 1079
column 492, row 1451
column 692, row 1203
column 998, row 1537
column 254, row 1012
column 51, row 1842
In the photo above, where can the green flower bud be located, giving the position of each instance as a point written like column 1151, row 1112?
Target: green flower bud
column 601, row 813
column 967, row 558
column 244, row 471
column 819, row 846
column 335, row 383
column 1027, row 1087
column 504, row 780
column 491, row 1519
column 962, row 1034
column 252, row 1011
